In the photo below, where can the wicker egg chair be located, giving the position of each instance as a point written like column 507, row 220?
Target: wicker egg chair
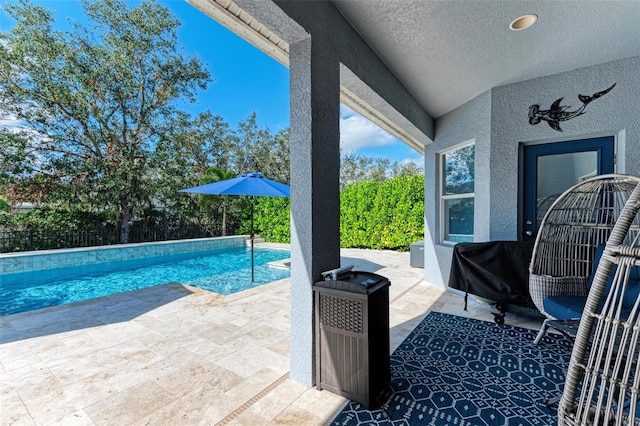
column 602, row 386
column 575, row 225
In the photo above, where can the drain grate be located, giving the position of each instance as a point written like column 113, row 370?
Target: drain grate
column 244, row 407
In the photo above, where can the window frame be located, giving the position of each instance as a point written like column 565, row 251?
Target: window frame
column 443, row 197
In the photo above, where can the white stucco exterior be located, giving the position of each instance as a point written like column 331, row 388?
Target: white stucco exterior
column 498, row 122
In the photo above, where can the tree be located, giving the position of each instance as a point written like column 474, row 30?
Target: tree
column 215, row 174
column 4, row 206
column 355, row 168
column 257, row 150
column 101, row 97
column 207, row 143
column 407, row 168
column 184, row 156
column 459, row 170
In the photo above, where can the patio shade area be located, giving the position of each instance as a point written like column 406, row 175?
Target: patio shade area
column 173, row 354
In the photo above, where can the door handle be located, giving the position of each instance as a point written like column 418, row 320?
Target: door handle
column 529, row 233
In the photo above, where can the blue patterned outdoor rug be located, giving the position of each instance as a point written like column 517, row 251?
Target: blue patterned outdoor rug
column 464, row 372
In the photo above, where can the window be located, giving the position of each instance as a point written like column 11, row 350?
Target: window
column 457, row 199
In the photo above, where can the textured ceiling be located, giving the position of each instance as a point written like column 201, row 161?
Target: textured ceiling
column 447, row 52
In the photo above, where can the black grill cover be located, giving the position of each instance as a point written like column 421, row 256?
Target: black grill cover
column 495, row 270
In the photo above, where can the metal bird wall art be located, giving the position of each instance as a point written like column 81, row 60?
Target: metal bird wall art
column 557, row 113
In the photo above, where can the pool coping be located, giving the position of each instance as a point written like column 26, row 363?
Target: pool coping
column 189, row 289
column 62, row 258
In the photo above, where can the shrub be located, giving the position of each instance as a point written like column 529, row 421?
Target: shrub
column 272, row 218
column 383, row 215
column 376, row 215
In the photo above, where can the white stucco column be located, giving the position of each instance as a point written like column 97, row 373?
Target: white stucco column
column 315, row 193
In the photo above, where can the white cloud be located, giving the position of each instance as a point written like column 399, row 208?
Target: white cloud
column 12, row 124
column 9, row 121
column 356, row 132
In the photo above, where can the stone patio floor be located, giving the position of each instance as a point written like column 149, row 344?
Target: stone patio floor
column 177, row 355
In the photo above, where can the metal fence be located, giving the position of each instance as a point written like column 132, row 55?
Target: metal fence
column 29, row 240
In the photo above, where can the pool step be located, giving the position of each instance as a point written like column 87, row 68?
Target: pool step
column 256, row 240
column 280, row 264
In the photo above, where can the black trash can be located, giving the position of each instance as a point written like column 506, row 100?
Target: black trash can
column 352, row 336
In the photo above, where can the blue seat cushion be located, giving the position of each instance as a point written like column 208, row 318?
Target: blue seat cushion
column 631, row 294
column 633, row 286
column 565, row 307
column 570, row 307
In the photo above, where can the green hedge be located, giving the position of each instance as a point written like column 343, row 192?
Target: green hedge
column 383, row 215
column 376, row 215
column 272, row 218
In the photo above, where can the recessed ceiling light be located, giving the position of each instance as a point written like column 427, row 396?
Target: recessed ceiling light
column 523, row 22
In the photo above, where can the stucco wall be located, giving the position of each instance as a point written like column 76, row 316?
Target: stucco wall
column 470, row 121
column 615, row 114
column 315, row 63
column 498, row 144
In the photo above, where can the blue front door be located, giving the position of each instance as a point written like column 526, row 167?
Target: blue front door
column 550, row 169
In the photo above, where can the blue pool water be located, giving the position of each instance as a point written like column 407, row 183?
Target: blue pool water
column 223, row 271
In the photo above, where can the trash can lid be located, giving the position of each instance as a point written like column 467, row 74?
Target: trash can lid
column 355, row 282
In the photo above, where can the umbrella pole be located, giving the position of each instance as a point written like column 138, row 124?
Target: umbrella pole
column 252, row 274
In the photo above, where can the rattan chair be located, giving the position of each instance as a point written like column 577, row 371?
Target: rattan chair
column 602, row 386
column 579, row 221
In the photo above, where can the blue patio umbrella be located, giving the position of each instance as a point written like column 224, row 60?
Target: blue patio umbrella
column 249, row 184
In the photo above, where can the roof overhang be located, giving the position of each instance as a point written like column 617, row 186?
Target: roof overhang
column 352, row 91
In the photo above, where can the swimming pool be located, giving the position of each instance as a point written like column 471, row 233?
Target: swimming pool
column 223, row 271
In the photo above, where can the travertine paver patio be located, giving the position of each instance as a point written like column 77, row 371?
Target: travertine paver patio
column 177, row 355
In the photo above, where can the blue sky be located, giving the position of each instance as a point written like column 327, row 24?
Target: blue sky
column 245, row 80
